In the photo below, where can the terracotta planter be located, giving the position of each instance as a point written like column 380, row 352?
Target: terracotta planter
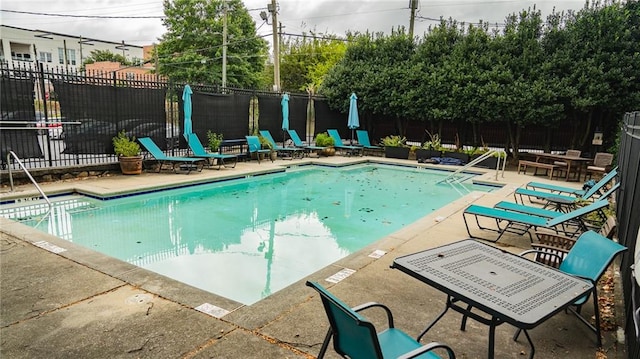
column 131, row 165
column 328, row 151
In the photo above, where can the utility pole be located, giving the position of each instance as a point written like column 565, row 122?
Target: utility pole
column 276, row 45
column 413, row 4
column 224, row 47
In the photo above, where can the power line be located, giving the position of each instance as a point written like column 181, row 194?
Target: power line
column 315, row 37
column 82, row 16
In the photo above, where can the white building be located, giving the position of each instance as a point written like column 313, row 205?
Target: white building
column 23, row 47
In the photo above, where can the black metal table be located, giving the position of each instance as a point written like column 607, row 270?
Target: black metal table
column 240, row 143
column 504, row 286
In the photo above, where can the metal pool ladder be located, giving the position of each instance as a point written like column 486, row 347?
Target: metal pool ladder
column 9, row 155
column 452, row 177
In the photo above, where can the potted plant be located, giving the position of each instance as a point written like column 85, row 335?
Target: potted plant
column 273, row 155
column 431, row 148
column 394, row 147
column 128, row 152
column 214, row 141
column 324, row 140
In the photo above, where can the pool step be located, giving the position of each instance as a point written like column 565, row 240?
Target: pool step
column 24, row 209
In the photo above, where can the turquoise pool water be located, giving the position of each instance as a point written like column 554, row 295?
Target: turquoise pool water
column 245, row 239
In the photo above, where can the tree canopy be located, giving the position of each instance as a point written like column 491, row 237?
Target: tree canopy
column 581, row 67
column 191, row 49
column 306, row 60
column 105, row 55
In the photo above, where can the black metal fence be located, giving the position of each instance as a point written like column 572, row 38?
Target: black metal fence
column 628, row 213
column 52, row 117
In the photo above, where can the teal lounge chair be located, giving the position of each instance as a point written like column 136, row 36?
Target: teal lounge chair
column 551, row 198
column 298, row 143
column 355, row 337
column 363, row 140
column 337, row 143
column 547, row 213
column 588, row 259
column 198, row 151
column 255, row 147
column 569, row 224
column 179, row 164
column 569, row 190
column 287, row 152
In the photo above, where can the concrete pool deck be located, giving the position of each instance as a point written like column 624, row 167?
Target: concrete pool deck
column 82, row 304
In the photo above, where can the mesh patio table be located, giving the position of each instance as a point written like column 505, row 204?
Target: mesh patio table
column 507, row 288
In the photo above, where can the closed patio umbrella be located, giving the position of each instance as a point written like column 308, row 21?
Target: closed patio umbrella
column 353, row 121
column 186, row 98
column 285, row 115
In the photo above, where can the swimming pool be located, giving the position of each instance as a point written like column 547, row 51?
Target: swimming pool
column 245, row 239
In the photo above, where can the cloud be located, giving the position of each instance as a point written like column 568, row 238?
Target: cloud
column 297, row 16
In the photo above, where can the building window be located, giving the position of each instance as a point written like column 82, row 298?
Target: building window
column 71, row 55
column 18, row 56
column 45, row 56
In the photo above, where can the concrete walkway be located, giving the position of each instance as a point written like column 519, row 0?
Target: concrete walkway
column 82, row 304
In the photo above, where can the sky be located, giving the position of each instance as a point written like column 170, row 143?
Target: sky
column 296, row 16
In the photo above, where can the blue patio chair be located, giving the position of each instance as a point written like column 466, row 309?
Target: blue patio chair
column 588, row 258
column 286, row 151
column 198, row 151
column 363, row 140
column 178, row 163
column 298, row 142
column 255, row 147
column 337, row 143
column 551, row 197
column 355, row 337
column 570, row 223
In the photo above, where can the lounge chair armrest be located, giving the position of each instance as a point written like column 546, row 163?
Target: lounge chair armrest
column 376, row 305
column 427, row 348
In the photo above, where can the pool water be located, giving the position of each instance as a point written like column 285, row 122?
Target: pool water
column 246, row 239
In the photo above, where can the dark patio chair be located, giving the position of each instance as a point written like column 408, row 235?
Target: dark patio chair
column 355, row 337
column 601, row 164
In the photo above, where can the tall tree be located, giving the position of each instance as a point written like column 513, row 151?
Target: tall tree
column 191, row 50
column 306, row 60
column 375, row 68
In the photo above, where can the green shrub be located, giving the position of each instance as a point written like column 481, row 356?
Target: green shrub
column 214, row 139
column 125, row 146
column 393, row 141
column 324, row 140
